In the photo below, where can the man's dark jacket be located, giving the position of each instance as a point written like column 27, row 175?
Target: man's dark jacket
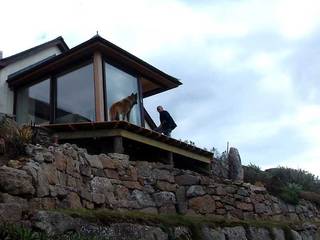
column 166, row 121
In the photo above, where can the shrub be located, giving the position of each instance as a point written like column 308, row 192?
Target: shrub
column 290, row 193
column 253, row 174
column 13, row 137
column 306, row 180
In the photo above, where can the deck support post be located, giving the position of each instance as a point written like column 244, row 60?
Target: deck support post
column 170, row 158
column 118, row 145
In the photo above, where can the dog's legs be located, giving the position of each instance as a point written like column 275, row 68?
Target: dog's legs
column 128, row 116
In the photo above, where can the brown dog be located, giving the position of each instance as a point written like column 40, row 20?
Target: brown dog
column 123, row 108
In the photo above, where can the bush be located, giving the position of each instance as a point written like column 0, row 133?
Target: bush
column 290, row 193
column 253, row 174
column 14, row 138
column 306, row 180
column 285, row 183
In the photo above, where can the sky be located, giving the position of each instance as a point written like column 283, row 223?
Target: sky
column 250, row 69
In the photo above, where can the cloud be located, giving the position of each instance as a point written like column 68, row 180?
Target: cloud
column 250, row 69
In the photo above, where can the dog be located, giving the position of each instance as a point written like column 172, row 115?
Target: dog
column 123, row 108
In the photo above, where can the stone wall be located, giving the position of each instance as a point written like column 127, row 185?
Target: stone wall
column 65, row 176
column 59, row 224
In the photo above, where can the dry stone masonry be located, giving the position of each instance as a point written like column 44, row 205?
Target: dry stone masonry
column 65, row 176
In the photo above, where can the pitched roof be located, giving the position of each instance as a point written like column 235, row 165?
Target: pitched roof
column 59, row 42
column 86, row 48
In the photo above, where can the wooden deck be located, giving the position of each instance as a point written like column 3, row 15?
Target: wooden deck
column 120, row 130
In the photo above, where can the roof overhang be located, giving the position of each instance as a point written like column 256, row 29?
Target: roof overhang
column 159, row 80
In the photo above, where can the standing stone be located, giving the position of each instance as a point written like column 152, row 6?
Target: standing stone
column 235, row 167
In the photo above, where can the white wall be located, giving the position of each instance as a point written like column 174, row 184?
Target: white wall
column 6, row 95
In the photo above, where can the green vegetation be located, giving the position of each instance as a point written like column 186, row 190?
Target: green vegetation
column 13, row 138
column 286, row 183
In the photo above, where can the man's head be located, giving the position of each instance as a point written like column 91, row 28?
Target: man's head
column 159, row 108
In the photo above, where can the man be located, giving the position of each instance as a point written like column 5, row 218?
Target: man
column 167, row 124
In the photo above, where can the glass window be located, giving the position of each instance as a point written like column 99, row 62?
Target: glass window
column 33, row 103
column 122, row 95
column 75, row 96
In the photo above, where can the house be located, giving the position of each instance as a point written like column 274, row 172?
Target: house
column 70, row 91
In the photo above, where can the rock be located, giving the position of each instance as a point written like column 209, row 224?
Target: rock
column 235, row 167
column 164, row 198
column 235, row 233
column 60, row 161
column 94, row 161
column 243, row 192
column 43, row 185
column 7, row 198
column 221, row 191
column 202, row 205
column 143, row 199
column 295, row 235
column 182, row 233
column 118, row 156
column 10, row 212
column 144, row 170
column 278, row 234
column 101, row 185
column 72, row 201
column 85, row 170
column 163, row 175
column 15, row 182
column 182, row 205
column 106, row 161
column 50, row 173
column 53, row 223
column 258, row 189
column 15, row 164
column 98, row 198
column 48, row 157
column 111, row 173
column 194, row 191
column 132, row 185
column 187, row 180
column 38, row 157
column 165, row 186
column 42, row 203
column 124, row 231
column 121, row 192
column 244, row 206
column 212, row 234
column 259, row 234
column 262, row 208
column 129, row 174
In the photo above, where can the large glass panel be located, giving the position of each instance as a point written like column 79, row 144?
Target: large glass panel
column 75, row 96
column 122, row 95
column 33, row 103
